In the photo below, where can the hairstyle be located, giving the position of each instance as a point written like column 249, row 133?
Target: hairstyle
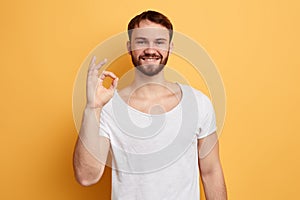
column 152, row 16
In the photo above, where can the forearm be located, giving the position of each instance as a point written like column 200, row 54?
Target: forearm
column 90, row 150
column 214, row 185
column 89, row 130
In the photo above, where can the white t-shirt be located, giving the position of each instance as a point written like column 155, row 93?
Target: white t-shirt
column 155, row 157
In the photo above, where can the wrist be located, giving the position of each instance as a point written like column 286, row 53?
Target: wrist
column 91, row 111
column 93, row 107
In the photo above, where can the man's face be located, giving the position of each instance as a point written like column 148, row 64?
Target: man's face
column 149, row 47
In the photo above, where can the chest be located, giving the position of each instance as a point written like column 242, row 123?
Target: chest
column 155, row 105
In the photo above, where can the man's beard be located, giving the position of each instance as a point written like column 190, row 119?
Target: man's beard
column 150, row 69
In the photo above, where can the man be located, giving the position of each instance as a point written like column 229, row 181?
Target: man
column 154, row 129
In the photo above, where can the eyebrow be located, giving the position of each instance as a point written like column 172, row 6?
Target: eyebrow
column 140, row 38
column 143, row 38
column 164, row 39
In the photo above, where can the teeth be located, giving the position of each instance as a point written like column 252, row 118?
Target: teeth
column 150, row 59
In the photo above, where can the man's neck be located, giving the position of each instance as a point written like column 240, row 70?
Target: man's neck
column 149, row 85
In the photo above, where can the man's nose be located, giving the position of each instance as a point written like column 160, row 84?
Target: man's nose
column 150, row 51
column 150, row 48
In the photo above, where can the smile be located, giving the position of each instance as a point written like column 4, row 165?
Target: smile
column 150, row 58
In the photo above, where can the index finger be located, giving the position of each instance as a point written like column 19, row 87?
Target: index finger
column 107, row 74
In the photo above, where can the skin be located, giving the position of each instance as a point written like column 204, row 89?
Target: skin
column 149, row 49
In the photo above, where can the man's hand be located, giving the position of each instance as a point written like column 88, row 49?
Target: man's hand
column 91, row 149
column 97, row 94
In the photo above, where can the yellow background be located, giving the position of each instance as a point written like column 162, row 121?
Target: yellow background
column 254, row 44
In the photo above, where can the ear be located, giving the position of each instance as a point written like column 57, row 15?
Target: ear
column 128, row 47
column 171, row 47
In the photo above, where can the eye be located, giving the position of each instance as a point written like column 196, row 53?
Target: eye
column 140, row 42
column 160, row 42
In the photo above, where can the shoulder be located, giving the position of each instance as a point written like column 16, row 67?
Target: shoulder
column 202, row 101
column 199, row 95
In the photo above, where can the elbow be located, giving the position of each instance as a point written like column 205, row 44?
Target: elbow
column 211, row 171
column 86, row 182
column 83, row 181
column 86, row 175
column 87, row 179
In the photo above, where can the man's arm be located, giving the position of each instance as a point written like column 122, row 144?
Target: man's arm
column 91, row 149
column 211, row 169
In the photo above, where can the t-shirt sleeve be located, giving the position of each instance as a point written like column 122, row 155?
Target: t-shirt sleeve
column 104, row 129
column 207, row 121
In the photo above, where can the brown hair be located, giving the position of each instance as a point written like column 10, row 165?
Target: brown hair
column 152, row 16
